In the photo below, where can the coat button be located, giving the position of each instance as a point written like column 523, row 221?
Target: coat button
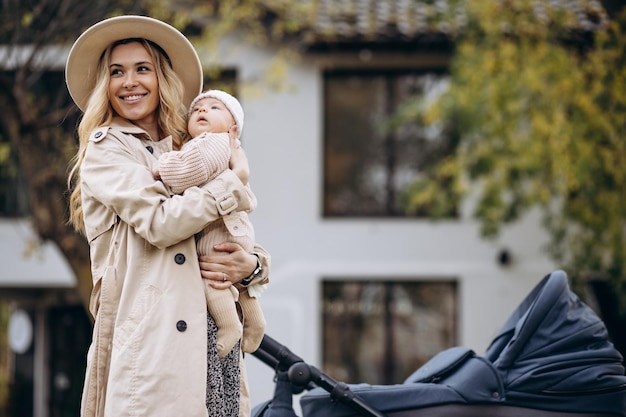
column 150, row 149
column 97, row 135
column 179, row 258
column 181, row 325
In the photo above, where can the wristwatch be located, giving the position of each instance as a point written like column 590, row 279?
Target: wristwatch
column 256, row 273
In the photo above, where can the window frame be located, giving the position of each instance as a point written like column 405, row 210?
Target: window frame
column 390, row 362
column 390, row 75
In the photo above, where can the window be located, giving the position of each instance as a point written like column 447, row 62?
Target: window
column 367, row 170
column 13, row 193
column 69, row 338
column 221, row 79
column 379, row 332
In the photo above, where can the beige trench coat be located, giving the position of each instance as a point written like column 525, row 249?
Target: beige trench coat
column 149, row 351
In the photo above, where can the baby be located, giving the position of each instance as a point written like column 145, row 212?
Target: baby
column 215, row 122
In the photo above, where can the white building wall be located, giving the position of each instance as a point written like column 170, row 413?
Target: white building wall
column 283, row 140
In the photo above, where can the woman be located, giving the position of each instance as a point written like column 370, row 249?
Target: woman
column 133, row 77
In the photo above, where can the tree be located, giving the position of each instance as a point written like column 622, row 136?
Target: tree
column 536, row 105
column 38, row 118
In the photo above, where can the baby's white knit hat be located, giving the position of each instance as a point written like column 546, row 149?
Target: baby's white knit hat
column 231, row 103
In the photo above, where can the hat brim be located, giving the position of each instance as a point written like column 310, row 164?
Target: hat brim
column 82, row 61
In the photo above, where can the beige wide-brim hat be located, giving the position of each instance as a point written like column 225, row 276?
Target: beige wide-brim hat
column 82, row 61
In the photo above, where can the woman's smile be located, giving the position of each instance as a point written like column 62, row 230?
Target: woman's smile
column 134, row 84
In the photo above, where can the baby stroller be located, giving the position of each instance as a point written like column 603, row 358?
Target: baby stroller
column 552, row 358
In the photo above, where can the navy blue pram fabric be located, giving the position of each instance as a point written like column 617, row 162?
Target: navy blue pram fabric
column 553, row 354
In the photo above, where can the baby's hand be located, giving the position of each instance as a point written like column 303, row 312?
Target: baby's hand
column 239, row 164
column 233, row 134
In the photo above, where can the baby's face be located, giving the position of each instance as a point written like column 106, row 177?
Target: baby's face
column 209, row 115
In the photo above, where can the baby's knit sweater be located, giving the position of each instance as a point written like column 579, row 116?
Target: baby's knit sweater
column 199, row 161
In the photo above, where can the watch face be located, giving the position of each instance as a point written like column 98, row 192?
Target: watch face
column 257, row 270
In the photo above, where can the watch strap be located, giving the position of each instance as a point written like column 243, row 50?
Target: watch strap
column 257, row 271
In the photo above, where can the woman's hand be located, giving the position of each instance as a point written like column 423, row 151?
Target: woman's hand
column 229, row 266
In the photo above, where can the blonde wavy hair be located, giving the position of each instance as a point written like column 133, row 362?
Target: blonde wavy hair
column 171, row 115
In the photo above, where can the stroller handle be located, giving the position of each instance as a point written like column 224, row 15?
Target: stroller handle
column 301, row 374
column 276, row 355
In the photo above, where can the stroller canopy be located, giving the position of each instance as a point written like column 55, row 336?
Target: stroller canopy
column 554, row 346
column 551, row 356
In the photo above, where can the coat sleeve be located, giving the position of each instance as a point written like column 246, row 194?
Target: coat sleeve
column 200, row 160
column 114, row 175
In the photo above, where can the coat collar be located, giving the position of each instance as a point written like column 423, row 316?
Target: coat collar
column 125, row 126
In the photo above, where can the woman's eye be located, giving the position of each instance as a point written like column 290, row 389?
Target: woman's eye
column 116, row 72
column 140, row 69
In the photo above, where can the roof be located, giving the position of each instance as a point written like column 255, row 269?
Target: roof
column 386, row 19
column 401, row 21
column 27, row 263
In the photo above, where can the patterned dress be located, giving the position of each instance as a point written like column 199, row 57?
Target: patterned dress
column 223, row 375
